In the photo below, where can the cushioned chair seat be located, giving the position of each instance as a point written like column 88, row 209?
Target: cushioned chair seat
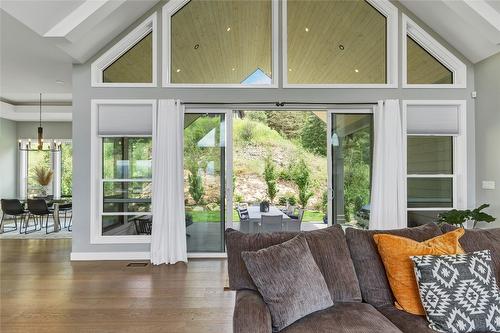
column 344, row 318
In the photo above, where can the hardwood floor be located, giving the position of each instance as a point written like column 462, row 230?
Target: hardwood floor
column 42, row 291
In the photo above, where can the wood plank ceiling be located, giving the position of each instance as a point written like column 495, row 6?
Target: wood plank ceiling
column 328, row 42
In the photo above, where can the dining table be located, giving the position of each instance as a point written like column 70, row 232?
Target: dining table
column 252, row 224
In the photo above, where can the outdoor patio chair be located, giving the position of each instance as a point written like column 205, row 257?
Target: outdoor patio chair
column 296, row 224
column 14, row 208
column 271, row 223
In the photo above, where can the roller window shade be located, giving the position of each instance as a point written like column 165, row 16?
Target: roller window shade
column 433, row 120
column 126, row 120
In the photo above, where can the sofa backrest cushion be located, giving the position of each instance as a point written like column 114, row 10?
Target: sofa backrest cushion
column 480, row 239
column 328, row 247
column 370, row 270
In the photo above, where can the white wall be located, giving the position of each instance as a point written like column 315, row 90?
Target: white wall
column 8, row 159
column 487, row 77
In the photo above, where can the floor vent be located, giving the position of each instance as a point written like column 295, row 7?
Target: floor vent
column 137, row 264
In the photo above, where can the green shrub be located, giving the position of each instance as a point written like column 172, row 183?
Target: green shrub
column 247, row 131
column 301, row 176
column 282, row 201
column 259, row 116
column 291, row 199
column 196, row 189
column 313, row 135
column 270, row 177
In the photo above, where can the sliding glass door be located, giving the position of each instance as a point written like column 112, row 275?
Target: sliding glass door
column 350, row 165
column 205, row 174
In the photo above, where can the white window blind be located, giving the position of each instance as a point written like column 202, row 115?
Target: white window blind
column 433, row 120
column 125, row 119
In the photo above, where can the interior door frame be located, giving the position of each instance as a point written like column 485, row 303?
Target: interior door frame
column 355, row 109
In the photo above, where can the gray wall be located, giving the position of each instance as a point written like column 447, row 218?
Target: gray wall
column 83, row 93
column 51, row 130
column 8, row 158
column 488, row 132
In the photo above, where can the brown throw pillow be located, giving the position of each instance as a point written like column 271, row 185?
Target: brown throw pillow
column 289, row 281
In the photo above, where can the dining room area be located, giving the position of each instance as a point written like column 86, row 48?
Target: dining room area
column 37, row 182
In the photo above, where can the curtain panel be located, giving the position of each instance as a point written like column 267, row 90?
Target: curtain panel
column 388, row 197
column 168, row 236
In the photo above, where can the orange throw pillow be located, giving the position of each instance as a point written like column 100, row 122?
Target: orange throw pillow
column 396, row 251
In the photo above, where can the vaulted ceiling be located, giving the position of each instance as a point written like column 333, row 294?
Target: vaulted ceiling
column 39, row 40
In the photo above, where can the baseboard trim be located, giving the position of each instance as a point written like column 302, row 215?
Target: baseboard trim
column 96, row 256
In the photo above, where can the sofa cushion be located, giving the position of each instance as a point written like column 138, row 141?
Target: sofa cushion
column 344, row 318
column 459, row 292
column 328, row 247
column 369, row 267
column 395, row 252
column 481, row 239
column 289, row 281
column 406, row 322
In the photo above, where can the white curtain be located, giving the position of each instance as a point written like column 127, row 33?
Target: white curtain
column 388, row 198
column 168, row 237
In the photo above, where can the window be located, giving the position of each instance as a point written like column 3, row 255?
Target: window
column 423, row 68
column 436, row 159
column 340, row 43
column 228, row 43
column 46, row 173
column 131, row 62
column 39, row 164
column 426, row 63
column 66, row 168
column 126, row 185
column 135, row 65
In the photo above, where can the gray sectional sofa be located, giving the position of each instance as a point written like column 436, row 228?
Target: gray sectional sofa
column 354, row 274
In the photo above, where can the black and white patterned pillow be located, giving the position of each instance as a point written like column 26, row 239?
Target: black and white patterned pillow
column 459, row 292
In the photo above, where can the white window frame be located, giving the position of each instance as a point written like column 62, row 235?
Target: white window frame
column 116, row 51
column 438, row 51
column 55, row 164
column 96, row 236
column 387, row 9
column 174, row 6
column 459, row 175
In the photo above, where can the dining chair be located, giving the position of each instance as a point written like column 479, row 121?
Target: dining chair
column 39, row 210
column 14, row 208
column 271, row 223
column 66, row 208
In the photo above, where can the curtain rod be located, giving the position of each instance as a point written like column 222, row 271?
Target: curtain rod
column 278, row 103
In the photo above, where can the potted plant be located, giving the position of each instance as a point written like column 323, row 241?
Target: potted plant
column 43, row 177
column 459, row 217
column 264, row 206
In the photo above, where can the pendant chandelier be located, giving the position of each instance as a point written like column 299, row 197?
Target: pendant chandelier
column 26, row 146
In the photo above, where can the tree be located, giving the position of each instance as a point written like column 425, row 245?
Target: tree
column 286, row 123
column 313, row 135
column 196, row 188
column 270, row 177
column 301, row 176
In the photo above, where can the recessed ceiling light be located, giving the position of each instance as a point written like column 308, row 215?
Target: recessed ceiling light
column 59, row 81
column 341, row 47
column 306, row 29
column 228, row 29
column 196, row 46
column 289, row 69
column 356, row 70
column 233, row 69
column 178, row 70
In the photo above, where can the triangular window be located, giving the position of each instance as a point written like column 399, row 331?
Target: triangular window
column 131, row 62
column 427, row 63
